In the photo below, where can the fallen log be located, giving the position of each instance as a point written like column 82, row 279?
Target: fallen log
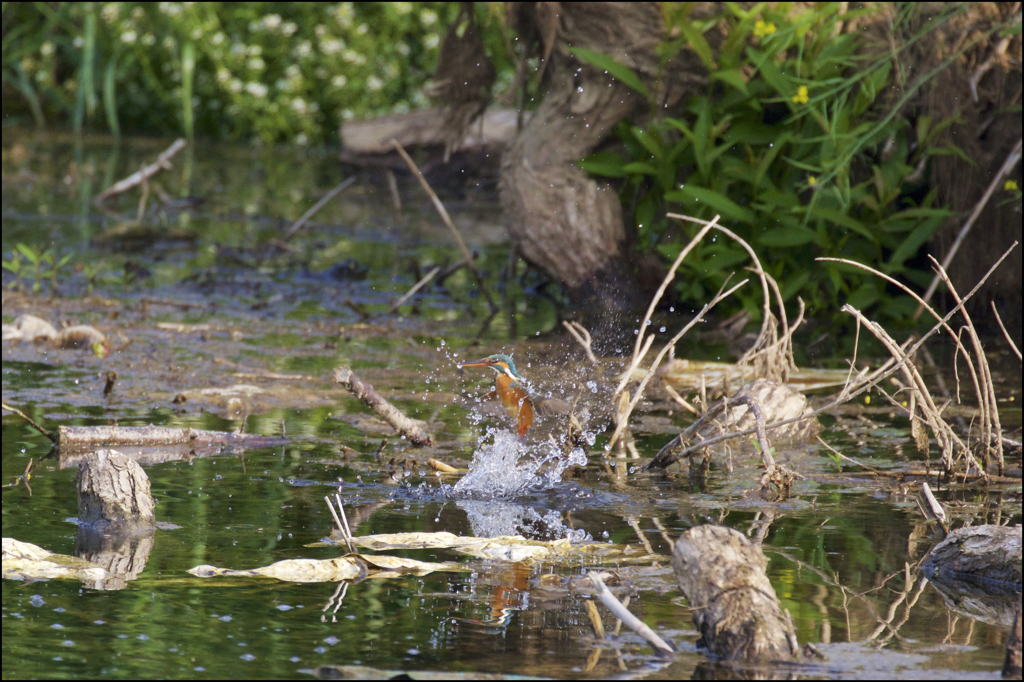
column 982, row 554
column 977, row 570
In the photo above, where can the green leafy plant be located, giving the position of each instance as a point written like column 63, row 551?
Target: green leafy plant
column 37, row 266
column 14, row 265
column 794, row 147
column 91, row 272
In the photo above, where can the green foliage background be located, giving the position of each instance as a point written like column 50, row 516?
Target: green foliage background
column 798, row 141
column 801, row 143
column 268, row 70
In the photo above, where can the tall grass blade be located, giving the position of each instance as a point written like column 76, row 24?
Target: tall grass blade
column 188, row 73
column 110, row 96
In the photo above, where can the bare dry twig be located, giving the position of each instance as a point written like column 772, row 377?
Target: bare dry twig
column 416, row 287
column 301, row 222
column 1007, row 166
column 768, row 319
column 631, row 621
column 163, row 162
column 31, row 423
column 624, row 421
column 580, row 333
column 447, row 221
column 883, row 372
column 1006, row 335
column 391, row 414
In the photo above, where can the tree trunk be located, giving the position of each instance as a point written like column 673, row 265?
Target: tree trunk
column 559, row 219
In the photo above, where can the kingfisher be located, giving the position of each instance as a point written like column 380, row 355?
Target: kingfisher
column 515, row 394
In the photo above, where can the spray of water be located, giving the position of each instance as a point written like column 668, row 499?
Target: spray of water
column 510, row 467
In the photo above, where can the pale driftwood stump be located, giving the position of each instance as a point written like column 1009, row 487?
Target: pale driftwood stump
column 113, row 494
column 734, row 606
column 777, row 402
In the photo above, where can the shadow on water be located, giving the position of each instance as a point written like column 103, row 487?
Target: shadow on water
column 216, row 324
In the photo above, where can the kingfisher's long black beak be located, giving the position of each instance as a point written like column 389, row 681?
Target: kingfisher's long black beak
column 485, row 362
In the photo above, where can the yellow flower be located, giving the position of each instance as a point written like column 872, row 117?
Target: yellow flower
column 801, row 95
column 763, row 29
column 1010, row 185
column 812, row 181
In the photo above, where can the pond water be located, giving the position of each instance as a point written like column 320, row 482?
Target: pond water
column 211, row 297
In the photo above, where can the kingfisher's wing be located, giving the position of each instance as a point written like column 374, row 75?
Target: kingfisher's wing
column 547, row 407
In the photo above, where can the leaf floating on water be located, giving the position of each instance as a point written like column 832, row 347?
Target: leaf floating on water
column 509, row 548
column 348, row 567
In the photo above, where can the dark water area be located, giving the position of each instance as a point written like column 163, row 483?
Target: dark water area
column 206, row 301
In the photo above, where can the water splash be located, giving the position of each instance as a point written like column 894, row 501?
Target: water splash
column 510, row 467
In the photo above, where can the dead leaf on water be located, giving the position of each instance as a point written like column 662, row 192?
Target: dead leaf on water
column 510, row 548
column 348, row 567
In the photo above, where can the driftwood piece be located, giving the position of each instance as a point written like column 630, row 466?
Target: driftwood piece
column 352, row 567
column 113, row 494
column 777, row 401
column 410, row 428
column 735, row 608
column 977, row 570
column 30, row 328
column 979, row 554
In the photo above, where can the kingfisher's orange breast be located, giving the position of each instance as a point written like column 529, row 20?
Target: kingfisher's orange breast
column 516, row 400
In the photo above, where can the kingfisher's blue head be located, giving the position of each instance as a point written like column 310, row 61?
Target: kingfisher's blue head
column 500, row 363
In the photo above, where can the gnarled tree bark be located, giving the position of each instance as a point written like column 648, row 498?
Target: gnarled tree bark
column 561, row 220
